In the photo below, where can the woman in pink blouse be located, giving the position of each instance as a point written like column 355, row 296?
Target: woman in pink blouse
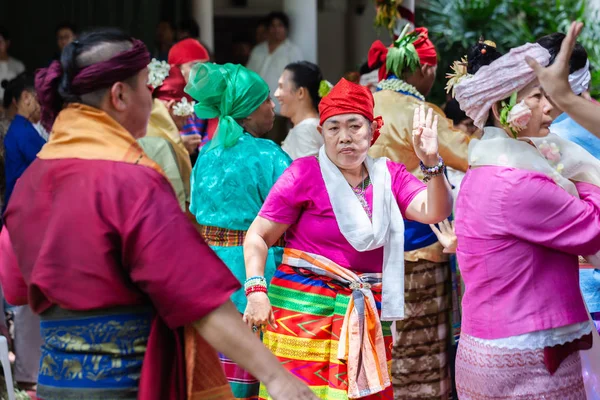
column 525, row 212
column 342, row 215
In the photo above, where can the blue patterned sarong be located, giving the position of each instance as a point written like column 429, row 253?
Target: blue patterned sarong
column 92, row 354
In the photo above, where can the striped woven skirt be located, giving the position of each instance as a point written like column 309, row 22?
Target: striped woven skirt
column 309, row 311
column 420, row 366
column 484, row 372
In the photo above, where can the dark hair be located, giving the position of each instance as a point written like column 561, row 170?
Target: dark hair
column 553, row 42
column 453, row 111
column 280, row 16
column 263, row 21
column 77, row 55
column 191, row 26
column 307, row 75
column 481, row 54
column 14, row 88
column 66, row 25
column 5, row 33
column 365, row 69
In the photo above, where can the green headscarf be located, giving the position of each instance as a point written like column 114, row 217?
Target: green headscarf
column 226, row 91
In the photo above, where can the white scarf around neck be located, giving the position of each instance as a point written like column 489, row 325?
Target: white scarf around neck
column 386, row 229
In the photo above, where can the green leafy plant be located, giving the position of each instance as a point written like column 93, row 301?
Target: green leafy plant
column 403, row 55
column 456, row 25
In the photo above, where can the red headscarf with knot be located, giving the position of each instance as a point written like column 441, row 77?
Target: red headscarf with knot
column 349, row 98
column 186, row 51
column 424, row 47
column 172, row 87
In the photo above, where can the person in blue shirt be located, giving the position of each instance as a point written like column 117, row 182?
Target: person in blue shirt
column 23, row 140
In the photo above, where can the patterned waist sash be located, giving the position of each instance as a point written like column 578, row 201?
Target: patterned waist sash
column 93, row 354
column 222, row 237
column 361, row 343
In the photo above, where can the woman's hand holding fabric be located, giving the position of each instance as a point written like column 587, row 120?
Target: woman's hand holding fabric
column 446, row 236
column 259, row 312
column 425, row 136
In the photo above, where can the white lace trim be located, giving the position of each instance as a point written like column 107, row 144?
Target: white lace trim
column 540, row 339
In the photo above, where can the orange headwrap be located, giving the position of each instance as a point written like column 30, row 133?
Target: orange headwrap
column 424, row 47
column 349, row 98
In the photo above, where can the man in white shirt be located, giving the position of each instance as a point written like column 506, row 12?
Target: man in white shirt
column 9, row 67
column 269, row 59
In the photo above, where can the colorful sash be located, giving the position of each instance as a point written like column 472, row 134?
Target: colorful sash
column 93, row 354
column 361, row 343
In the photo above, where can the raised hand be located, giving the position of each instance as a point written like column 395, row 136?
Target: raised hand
column 425, row 136
column 555, row 78
column 446, row 235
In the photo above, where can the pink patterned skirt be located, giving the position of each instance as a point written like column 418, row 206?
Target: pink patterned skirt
column 489, row 373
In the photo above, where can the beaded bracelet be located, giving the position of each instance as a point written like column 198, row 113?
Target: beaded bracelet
column 255, row 281
column 254, row 289
column 431, row 172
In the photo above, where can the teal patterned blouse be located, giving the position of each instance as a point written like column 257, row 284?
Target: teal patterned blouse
column 229, row 187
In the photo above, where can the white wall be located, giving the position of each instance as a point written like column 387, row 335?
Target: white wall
column 303, row 26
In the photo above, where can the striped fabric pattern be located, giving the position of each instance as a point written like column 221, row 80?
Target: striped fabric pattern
column 309, row 311
column 215, row 236
column 243, row 385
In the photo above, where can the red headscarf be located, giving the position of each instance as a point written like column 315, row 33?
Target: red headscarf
column 187, row 50
column 172, row 87
column 424, row 47
column 349, row 98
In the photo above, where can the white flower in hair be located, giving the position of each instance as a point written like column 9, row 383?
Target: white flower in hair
column 184, row 108
column 157, row 72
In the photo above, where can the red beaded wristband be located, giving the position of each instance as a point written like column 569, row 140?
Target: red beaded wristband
column 257, row 288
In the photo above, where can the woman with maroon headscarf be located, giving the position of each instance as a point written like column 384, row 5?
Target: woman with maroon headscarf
column 342, row 212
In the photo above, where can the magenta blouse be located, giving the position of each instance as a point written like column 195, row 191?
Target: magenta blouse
column 300, row 199
column 519, row 235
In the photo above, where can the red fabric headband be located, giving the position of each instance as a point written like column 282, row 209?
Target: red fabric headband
column 88, row 79
column 349, row 98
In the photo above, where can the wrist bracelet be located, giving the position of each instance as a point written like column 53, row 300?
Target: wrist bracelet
column 431, row 172
column 255, row 280
column 255, row 289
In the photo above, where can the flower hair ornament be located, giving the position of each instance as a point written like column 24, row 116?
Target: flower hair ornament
column 459, row 72
column 514, row 116
column 324, row 88
column 184, row 108
column 157, row 72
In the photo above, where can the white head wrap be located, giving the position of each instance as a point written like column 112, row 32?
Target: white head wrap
column 476, row 94
column 580, row 79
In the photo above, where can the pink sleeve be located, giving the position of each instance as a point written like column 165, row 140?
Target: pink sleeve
column 405, row 185
column 13, row 284
column 537, row 210
column 182, row 276
column 284, row 202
